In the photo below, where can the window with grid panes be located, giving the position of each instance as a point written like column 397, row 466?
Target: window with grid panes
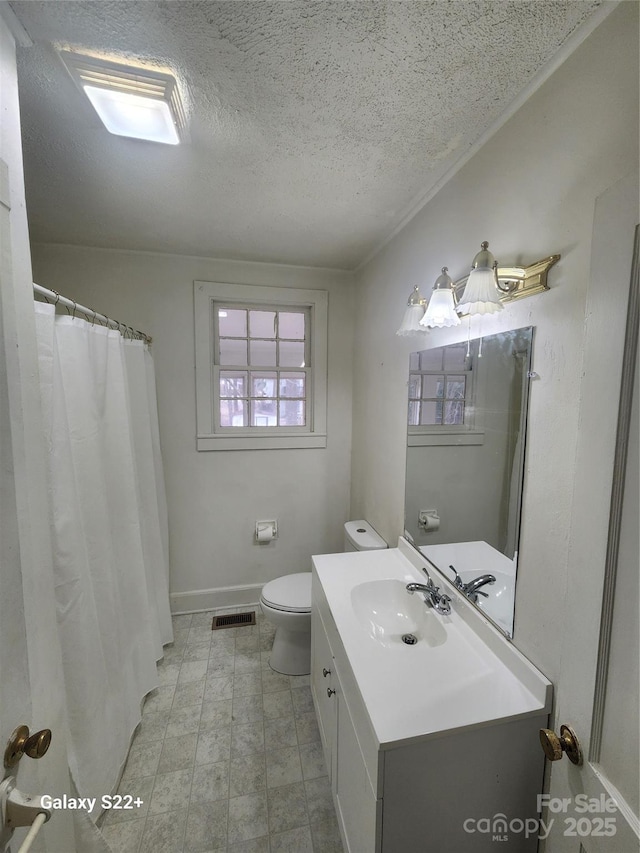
column 439, row 387
column 262, row 355
column 261, row 366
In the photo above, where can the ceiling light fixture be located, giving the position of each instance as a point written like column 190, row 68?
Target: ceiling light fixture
column 413, row 314
column 441, row 310
column 139, row 103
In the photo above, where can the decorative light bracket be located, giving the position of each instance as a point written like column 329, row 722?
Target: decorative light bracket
column 518, row 282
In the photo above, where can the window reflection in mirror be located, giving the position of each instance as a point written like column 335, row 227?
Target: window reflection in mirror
column 467, row 416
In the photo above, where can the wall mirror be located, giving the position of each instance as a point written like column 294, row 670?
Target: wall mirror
column 466, row 437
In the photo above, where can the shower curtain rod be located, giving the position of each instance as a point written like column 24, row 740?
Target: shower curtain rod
column 90, row 314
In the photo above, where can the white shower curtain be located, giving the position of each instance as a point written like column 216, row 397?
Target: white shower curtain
column 109, row 535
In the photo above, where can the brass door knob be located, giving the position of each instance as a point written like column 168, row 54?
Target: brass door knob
column 21, row 743
column 554, row 746
column 38, row 743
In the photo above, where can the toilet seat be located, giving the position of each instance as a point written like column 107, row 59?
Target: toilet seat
column 290, row 593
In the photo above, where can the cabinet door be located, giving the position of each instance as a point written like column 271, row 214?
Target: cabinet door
column 359, row 810
column 323, row 683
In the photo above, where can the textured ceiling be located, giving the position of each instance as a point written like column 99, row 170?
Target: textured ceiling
column 314, row 126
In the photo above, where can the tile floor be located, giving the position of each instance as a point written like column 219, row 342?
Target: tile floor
column 228, row 757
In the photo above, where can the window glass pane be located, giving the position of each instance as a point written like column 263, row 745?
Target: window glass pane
column 454, row 412
column 292, row 413
column 233, row 383
column 291, row 325
column 414, row 386
column 262, row 324
column 414, row 361
column 414, row 413
column 455, row 387
column 232, row 322
column 262, row 353
column 263, row 413
column 430, row 412
column 233, row 351
column 233, row 413
column 264, row 384
column 454, row 357
column 432, row 386
column 292, row 384
column 291, row 354
column 431, row 359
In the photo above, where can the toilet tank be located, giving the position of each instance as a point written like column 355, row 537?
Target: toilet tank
column 360, row 536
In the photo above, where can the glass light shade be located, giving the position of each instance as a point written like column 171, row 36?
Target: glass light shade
column 441, row 310
column 480, row 293
column 411, row 321
column 413, row 314
column 125, row 114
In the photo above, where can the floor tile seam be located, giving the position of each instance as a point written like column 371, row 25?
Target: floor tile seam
column 139, row 845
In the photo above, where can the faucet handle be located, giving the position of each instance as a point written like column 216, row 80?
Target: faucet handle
column 457, row 581
column 443, row 605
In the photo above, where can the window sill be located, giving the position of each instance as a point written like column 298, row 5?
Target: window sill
column 261, row 442
column 445, row 439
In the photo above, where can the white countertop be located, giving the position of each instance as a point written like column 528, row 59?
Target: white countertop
column 465, row 674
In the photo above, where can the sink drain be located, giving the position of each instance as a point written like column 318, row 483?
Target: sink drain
column 409, row 639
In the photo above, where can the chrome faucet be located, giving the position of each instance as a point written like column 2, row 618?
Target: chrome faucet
column 431, row 594
column 472, row 588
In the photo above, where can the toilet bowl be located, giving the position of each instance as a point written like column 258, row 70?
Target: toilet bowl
column 286, row 601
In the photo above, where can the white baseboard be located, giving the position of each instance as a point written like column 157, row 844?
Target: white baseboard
column 212, row 599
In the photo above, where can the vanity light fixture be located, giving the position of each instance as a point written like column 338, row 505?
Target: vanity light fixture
column 489, row 286
column 441, row 310
column 140, row 103
column 413, row 314
column 481, row 294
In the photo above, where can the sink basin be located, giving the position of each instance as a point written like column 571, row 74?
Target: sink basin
column 387, row 611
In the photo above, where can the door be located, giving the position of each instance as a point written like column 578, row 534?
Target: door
column 31, row 688
column 593, row 806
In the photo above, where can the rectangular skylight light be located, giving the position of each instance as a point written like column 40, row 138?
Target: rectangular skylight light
column 136, row 102
column 133, row 115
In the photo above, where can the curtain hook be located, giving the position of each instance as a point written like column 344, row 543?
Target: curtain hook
column 75, row 305
column 57, row 297
column 93, row 319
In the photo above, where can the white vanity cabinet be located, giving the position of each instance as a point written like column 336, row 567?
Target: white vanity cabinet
column 342, row 726
column 403, row 784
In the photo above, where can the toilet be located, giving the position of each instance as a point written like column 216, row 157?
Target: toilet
column 286, row 602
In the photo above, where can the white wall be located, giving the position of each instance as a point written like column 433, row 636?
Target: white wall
column 214, row 498
column 530, row 191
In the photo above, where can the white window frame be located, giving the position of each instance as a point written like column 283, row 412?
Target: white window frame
column 209, row 435
column 469, row 432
